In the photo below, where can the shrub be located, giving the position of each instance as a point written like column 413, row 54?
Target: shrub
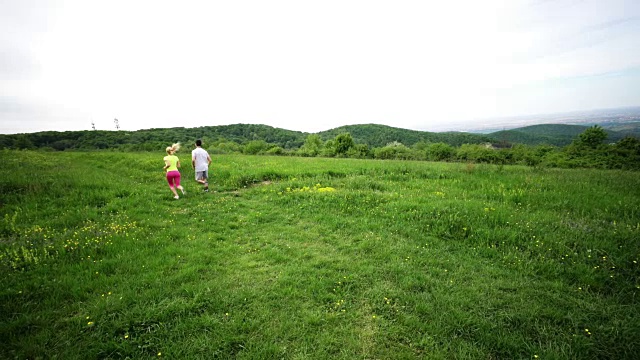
column 440, row 152
column 276, row 150
column 255, row 147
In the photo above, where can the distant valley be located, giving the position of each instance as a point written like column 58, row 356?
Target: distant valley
column 617, row 119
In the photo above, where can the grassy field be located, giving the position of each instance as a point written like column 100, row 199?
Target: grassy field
column 315, row 258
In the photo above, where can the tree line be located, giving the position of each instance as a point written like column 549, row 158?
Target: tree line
column 588, row 149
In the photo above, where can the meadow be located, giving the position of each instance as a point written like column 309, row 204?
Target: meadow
column 315, row 258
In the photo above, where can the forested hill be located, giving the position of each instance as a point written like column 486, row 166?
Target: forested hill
column 550, row 134
column 380, row 135
column 233, row 136
column 154, row 139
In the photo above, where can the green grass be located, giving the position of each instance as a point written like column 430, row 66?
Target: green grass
column 315, row 258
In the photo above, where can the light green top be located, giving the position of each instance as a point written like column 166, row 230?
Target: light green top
column 173, row 162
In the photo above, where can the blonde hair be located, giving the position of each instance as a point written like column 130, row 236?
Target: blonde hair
column 173, row 148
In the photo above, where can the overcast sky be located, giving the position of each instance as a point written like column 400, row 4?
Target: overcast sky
column 310, row 65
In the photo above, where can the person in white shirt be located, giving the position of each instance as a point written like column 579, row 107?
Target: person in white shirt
column 200, row 161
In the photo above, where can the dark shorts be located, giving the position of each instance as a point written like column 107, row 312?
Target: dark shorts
column 202, row 175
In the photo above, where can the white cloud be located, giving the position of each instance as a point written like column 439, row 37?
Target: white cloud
column 310, row 65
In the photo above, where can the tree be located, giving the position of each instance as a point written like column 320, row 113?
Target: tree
column 440, row 151
column 591, row 138
column 480, row 154
column 255, row 147
column 343, row 143
column 312, row 145
column 5, row 142
column 61, row 145
column 626, row 154
column 329, row 148
column 226, row 147
column 276, row 150
column 393, row 150
column 23, row 142
column 359, row 151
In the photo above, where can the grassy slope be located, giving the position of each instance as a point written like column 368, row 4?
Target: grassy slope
column 402, row 260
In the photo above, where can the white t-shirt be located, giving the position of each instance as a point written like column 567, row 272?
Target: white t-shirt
column 200, row 155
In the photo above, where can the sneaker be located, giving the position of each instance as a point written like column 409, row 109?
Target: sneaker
column 206, row 190
column 176, row 197
column 183, row 192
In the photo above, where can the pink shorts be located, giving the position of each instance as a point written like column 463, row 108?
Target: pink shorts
column 173, row 178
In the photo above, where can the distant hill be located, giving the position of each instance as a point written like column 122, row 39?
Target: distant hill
column 241, row 133
column 380, row 135
column 154, row 139
column 375, row 136
column 629, row 128
column 550, row 134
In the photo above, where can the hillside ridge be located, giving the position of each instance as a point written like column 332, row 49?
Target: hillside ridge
column 373, row 135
